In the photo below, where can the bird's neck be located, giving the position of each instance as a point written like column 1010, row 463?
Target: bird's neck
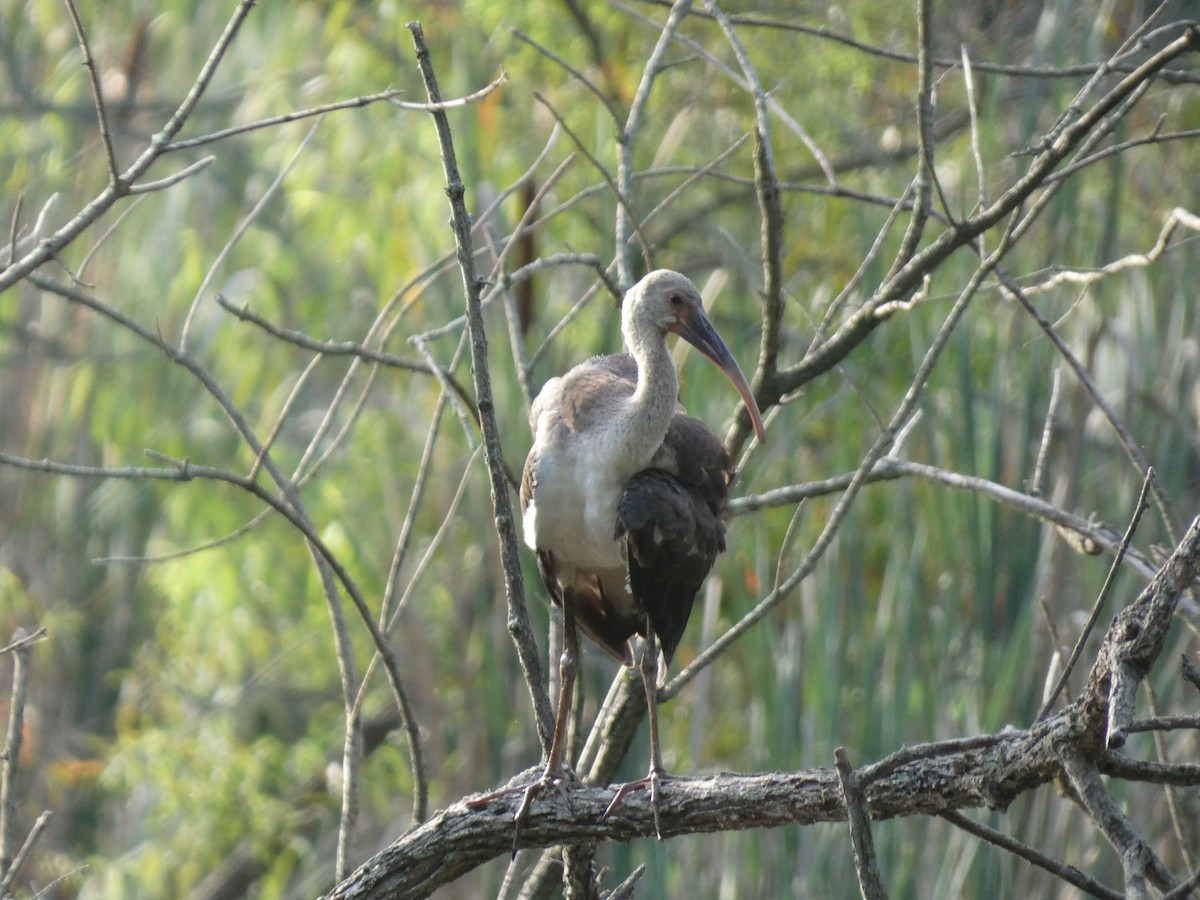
column 653, row 402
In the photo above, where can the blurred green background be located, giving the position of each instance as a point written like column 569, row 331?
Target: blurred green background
column 186, row 709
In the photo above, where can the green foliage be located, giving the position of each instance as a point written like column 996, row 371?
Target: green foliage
column 201, row 682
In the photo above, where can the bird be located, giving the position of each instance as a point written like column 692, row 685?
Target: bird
column 621, row 499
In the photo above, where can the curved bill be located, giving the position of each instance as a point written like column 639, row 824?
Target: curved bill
column 696, row 328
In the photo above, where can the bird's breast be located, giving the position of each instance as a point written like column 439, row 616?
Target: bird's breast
column 572, row 510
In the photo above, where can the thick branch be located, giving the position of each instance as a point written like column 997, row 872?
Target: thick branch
column 990, row 771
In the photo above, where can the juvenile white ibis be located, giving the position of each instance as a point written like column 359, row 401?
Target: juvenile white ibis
column 622, row 496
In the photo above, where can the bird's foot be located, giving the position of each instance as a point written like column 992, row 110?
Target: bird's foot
column 551, row 777
column 654, row 781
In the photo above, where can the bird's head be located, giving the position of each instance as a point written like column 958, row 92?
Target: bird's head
column 667, row 301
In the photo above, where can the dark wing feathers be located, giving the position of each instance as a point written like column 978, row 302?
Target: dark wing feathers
column 671, row 524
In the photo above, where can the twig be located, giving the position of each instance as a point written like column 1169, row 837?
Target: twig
column 107, row 233
column 896, row 207
column 9, row 877
column 97, row 95
column 1118, row 765
column 1165, row 723
column 627, row 888
column 578, row 75
column 460, row 409
column 14, row 227
column 1176, row 218
column 518, row 616
column 1130, row 446
column 766, row 188
column 694, row 174
column 331, row 347
column 859, row 818
column 1069, row 874
column 1039, row 467
column 889, row 468
column 1076, row 651
column 161, row 184
column 283, row 119
column 622, row 197
column 1137, row 857
column 1156, row 136
column 389, row 95
column 571, row 314
column 20, row 645
column 899, row 56
column 50, row 247
column 22, row 641
column 390, row 609
column 269, row 441
column 235, row 236
column 923, row 193
column 424, row 467
column 628, row 135
column 973, row 109
column 554, row 260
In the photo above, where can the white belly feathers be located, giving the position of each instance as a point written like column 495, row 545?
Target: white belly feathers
column 573, row 510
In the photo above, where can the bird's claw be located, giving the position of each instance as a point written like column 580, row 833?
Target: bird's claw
column 549, row 778
column 654, row 780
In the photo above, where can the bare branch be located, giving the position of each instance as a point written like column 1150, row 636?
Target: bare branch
column 186, row 331
column 1130, row 446
column 48, row 248
column 908, row 278
column 1139, row 860
column 518, row 615
column 627, row 136
column 20, row 645
column 766, row 188
column 149, row 187
column 9, row 878
column 934, row 779
column 1077, row 651
column 923, row 181
column 97, row 95
column 575, row 73
column 1069, row 874
column 865, row 863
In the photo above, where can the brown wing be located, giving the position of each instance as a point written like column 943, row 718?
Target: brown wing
column 670, row 519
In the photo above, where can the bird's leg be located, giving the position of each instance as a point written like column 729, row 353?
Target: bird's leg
column 657, row 774
column 554, row 773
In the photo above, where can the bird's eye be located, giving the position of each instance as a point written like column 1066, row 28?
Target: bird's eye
column 676, row 299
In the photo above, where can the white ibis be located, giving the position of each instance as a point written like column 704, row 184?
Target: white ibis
column 622, row 495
